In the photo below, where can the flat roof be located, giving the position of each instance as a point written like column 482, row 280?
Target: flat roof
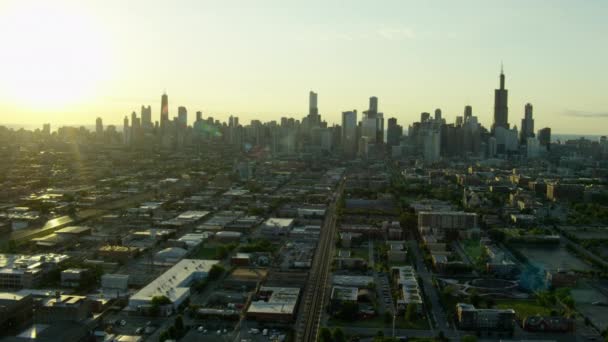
column 192, row 215
column 73, row 230
column 171, row 283
column 279, row 222
column 282, row 300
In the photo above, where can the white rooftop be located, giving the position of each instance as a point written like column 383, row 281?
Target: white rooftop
column 175, row 282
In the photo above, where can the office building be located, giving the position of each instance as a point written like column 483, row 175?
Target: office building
column 527, row 125
column 349, row 132
column 99, row 126
column 469, row 317
column 544, row 137
column 164, row 113
column 501, row 109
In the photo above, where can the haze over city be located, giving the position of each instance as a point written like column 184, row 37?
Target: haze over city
column 68, row 62
column 319, row 171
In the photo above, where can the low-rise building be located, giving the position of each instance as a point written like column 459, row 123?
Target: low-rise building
column 275, row 304
column 471, row 318
column 406, row 280
column 174, row 283
column 72, row 277
column 275, row 226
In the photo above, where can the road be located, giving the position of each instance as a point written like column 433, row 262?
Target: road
column 317, row 289
column 439, row 316
column 566, row 241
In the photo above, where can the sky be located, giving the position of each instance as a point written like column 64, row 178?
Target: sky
column 68, row 62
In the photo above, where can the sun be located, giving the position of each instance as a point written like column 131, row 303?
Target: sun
column 53, row 54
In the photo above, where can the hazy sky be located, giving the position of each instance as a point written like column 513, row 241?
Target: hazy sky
column 67, row 62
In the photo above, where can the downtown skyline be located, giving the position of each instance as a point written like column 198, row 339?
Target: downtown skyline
column 224, row 60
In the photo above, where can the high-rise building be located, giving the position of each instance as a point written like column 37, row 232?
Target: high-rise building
column 501, row 109
column 126, row 134
column 438, row 114
column 182, row 116
column 313, row 119
column 431, row 146
column 312, row 103
column 424, row 116
column 199, row 116
column 527, row 125
column 349, row 132
column 373, row 105
column 372, row 113
column 46, row 128
column 164, row 113
column 99, row 126
column 146, row 117
column 544, row 137
column 468, row 111
column 393, row 132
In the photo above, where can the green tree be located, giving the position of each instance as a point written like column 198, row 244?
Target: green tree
column 469, row 338
column 474, row 298
column 349, row 311
column 215, row 272
column 325, row 335
column 410, row 312
column 339, row 335
column 179, row 323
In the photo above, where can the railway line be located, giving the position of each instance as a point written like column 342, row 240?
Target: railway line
column 317, row 289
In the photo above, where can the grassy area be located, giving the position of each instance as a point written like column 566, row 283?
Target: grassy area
column 379, row 323
column 524, row 308
column 362, row 253
column 205, row 253
column 473, row 249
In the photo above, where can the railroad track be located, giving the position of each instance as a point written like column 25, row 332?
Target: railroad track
column 309, row 320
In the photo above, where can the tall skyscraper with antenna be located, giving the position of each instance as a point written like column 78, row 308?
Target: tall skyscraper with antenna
column 164, row 112
column 501, row 109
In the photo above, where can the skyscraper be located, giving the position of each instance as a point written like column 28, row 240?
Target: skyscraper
column 373, row 114
column 438, row 114
column 312, row 104
column 164, row 112
column 393, row 132
column 313, row 118
column 99, row 126
column 544, row 137
column 373, row 105
column 501, row 109
column 146, row 117
column 468, row 112
column 349, row 132
column 126, row 134
column 182, row 116
column 527, row 125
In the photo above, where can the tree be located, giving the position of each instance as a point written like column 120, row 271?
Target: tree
column 474, row 297
column 179, row 323
column 349, row 311
column 339, row 335
column 160, row 300
column 410, row 312
column 215, row 272
column 490, row 302
column 325, row 335
column 164, row 336
column 469, row 338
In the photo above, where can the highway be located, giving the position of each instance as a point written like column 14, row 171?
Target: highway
column 317, row 289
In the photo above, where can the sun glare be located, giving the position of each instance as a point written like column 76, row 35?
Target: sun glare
column 53, row 55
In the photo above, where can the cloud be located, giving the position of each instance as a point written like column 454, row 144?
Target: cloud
column 396, row 33
column 585, row 114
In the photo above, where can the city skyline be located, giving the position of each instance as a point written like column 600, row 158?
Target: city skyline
column 236, row 68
